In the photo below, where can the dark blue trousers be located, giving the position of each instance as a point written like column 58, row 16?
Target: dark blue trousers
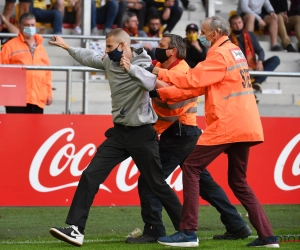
column 173, row 151
column 269, row 65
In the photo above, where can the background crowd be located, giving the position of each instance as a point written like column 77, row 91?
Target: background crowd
column 152, row 18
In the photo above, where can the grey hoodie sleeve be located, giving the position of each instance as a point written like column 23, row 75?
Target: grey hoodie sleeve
column 142, row 77
column 87, row 57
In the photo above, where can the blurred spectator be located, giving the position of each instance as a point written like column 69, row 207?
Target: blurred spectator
column 77, row 8
column 130, row 25
column 250, row 47
column 72, row 13
column 72, row 6
column 251, row 12
column 168, row 10
column 285, row 23
column 153, row 29
column 188, row 6
column 139, row 8
column 195, row 50
column 294, row 16
column 9, row 6
column 44, row 15
column 153, row 26
column 281, row 8
column 106, row 13
column 27, row 49
column 121, row 13
column 6, row 27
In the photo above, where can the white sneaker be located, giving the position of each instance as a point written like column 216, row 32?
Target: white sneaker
column 191, row 7
column 69, row 234
column 76, row 31
column 94, row 32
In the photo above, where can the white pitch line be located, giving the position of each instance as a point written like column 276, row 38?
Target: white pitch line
column 85, row 241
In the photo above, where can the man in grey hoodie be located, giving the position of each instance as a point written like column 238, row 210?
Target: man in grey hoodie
column 132, row 135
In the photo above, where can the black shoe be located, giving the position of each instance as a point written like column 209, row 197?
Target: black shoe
column 69, row 234
column 241, row 234
column 257, row 87
column 143, row 239
column 270, row 242
column 276, row 48
column 290, row 48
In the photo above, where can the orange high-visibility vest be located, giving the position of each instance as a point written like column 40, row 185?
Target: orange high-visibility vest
column 168, row 111
column 38, row 82
column 231, row 112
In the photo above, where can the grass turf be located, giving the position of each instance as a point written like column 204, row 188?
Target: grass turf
column 107, row 227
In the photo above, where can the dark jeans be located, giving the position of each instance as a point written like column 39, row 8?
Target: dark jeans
column 121, row 11
column 105, row 15
column 185, row 3
column 141, row 14
column 141, row 143
column 269, row 65
column 29, row 109
column 173, row 151
column 176, row 13
column 49, row 16
column 193, row 167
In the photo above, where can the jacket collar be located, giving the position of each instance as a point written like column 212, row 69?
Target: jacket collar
column 218, row 43
column 38, row 39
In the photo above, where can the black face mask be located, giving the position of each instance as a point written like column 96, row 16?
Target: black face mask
column 160, row 55
column 153, row 32
column 115, row 55
column 237, row 32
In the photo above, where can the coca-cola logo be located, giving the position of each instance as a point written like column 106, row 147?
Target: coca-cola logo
column 72, row 159
column 281, row 165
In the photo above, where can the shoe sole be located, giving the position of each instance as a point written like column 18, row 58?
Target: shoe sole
column 131, row 240
column 180, row 244
column 275, row 245
column 242, row 235
column 60, row 236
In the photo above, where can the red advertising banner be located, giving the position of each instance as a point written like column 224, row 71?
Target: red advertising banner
column 43, row 156
column 12, row 87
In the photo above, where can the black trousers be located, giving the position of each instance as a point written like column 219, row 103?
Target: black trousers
column 173, row 151
column 176, row 13
column 141, row 143
column 29, row 109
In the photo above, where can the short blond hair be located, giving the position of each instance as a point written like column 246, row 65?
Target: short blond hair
column 120, row 35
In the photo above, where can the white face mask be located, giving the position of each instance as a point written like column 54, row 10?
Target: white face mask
column 30, row 31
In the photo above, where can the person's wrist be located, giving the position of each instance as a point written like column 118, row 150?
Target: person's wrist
column 65, row 46
column 155, row 70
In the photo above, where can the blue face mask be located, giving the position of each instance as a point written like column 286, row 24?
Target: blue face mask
column 30, row 31
column 115, row 55
column 204, row 41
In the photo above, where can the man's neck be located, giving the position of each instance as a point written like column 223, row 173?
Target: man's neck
column 169, row 62
column 29, row 40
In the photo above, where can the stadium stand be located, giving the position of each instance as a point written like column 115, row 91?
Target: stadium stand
column 280, row 97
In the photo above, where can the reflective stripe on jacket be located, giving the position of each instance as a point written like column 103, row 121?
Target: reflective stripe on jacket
column 38, row 82
column 168, row 111
column 231, row 112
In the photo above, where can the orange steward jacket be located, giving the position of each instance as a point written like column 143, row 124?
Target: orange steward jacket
column 38, row 82
column 168, row 112
column 231, row 112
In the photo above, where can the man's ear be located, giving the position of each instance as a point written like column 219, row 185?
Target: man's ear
column 174, row 51
column 122, row 45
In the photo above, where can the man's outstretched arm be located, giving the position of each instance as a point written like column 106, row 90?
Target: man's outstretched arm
column 86, row 57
